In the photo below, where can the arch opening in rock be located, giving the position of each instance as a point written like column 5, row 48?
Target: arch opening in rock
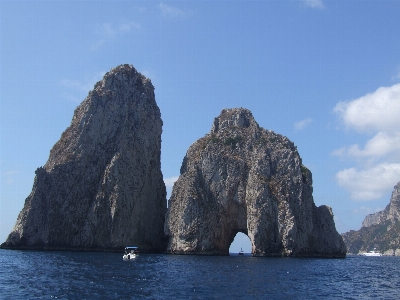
column 240, row 242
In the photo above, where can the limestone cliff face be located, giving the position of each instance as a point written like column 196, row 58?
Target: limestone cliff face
column 102, row 186
column 380, row 230
column 391, row 212
column 242, row 178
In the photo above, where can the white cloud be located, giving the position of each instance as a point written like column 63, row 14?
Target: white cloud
column 302, row 124
column 9, row 176
column 127, row 26
column 314, row 3
column 339, row 152
column 380, row 145
column 397, row 75
column 105, row 30
column 371, row 183
column 108, row 31
column 169, row 182
column 376, row 114
column 377, row 111
column 170, row 11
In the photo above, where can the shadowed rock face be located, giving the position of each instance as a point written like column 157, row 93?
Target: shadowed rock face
column 242, row 178
column 102, row 187
column 380, row 230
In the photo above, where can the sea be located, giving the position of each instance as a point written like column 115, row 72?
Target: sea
column 94, row 275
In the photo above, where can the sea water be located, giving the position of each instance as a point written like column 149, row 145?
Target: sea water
column 84, row 275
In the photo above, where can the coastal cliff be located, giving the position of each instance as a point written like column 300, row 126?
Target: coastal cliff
column 102, row 186
column 242, row 178
column 380, row 230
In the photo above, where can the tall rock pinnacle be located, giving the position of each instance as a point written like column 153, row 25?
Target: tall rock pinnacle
column 242, row 178
column 102, row 186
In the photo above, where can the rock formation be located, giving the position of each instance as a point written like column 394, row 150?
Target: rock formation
column 242, row 178
column 102, row 186
column 380, row 230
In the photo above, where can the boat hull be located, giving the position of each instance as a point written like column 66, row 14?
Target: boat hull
column 128, row 256
column 372, row 253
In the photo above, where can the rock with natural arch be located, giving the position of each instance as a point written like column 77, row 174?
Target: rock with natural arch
column 243, row 178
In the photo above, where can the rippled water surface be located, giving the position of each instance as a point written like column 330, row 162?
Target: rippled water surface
column 76, row 275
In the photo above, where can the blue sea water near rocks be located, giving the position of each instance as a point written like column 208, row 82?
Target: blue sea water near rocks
column 85, row 275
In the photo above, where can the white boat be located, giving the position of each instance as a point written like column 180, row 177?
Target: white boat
column 372, row 253
column 130, row 253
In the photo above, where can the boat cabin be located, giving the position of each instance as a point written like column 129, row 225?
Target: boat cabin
column 131, row 250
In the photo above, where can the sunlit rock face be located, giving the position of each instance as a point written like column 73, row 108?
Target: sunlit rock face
column 243, row 178
column 102, row 186
column 391, row 212
column 380, row 230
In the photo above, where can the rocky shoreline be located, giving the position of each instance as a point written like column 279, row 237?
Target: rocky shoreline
column 380, row 230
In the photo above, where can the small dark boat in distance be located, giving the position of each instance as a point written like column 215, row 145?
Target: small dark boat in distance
column 241, row 252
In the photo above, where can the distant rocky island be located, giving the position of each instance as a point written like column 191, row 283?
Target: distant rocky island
column 380, row 230
column 243, row 178
column 102, row 187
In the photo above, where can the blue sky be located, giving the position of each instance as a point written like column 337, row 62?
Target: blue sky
column 326, row 74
